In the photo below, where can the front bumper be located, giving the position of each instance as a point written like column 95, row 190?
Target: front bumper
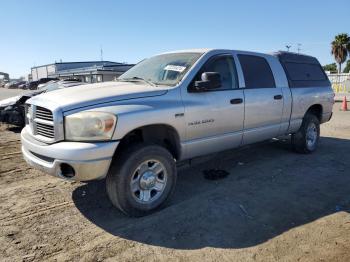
column 89, row 161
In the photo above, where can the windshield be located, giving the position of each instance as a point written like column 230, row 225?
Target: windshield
column 166, row 69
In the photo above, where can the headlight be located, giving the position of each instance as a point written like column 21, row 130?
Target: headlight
column 87, row 126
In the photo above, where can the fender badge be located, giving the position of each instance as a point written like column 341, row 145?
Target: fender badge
column 179, row 115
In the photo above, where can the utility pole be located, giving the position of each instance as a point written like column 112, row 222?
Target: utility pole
column 299, row 49
column 288, row 47
column 101, row 53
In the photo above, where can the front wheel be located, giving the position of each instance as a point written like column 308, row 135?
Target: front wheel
column 142, row 179
column 306, row 139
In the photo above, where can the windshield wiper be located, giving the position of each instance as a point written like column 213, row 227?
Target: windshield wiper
column 136, row 78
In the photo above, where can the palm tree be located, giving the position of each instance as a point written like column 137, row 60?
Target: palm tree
column 340, row 48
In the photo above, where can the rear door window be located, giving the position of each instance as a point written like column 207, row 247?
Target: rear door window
column 257, row 72
column 304, row 72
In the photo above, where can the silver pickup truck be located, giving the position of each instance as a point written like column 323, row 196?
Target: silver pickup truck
column 173, row 107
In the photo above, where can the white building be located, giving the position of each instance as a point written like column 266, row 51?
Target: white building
column 91, row 72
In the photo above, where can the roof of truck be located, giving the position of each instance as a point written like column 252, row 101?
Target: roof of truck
column 295, row 58
column 206, row 50
column 283, row 56
column 194, row 50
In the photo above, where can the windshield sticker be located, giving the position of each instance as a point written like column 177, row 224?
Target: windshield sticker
column 175, row 68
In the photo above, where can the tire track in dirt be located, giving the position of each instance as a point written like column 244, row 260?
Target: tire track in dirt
column 8, row 143
column 13, row 170
column 10, row 155
column 34, row 213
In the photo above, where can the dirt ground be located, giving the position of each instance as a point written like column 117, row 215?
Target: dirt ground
column 275, row 205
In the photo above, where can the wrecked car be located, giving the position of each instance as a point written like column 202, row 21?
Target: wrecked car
column 12, row 109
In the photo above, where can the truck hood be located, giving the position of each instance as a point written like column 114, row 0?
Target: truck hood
column 91, row 94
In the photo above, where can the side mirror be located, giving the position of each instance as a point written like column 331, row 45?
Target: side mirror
column 209, row 80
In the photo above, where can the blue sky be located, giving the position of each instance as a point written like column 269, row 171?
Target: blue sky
column 40, row 32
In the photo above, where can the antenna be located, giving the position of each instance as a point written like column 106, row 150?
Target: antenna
column 299, row 49
column 101, row 53
column 288, row 47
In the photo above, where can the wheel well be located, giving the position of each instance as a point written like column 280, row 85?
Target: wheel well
column 162, row 135
column 316, row 110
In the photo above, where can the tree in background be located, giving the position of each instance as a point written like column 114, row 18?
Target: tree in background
column 347, row 67
column 330, row 67
column 340, row 48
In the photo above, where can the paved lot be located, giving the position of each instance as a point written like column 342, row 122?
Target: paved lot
column 6, row 93
column 275, row 205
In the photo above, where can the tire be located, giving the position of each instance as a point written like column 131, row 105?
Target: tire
column 133, row 178
column 306, row 139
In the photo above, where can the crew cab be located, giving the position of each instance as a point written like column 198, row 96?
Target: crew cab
column 170, row 108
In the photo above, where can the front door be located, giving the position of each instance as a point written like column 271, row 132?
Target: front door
column 214, row 119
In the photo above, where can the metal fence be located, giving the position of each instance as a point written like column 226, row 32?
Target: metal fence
column 340, row 82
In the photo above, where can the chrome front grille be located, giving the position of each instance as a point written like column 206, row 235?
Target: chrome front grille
column 43, row 113
column 45, row 130
column 26, row 110
column 41, row 122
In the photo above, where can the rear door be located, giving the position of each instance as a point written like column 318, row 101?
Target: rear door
column 263, row 99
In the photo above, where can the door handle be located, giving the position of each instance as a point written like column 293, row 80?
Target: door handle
column 278, row 97
column 236, row 101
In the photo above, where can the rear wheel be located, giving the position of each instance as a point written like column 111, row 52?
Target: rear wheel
column 306, row 139
column 142, row 179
